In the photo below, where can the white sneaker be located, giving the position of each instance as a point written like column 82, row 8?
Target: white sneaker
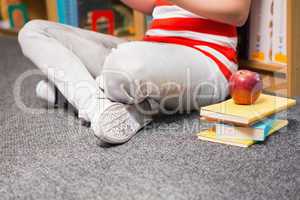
column 119, row 123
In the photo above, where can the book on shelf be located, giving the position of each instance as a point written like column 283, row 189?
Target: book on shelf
column 258, row 132
column 124, row 19
column 260, row 40
column 4, row 16
column 4, row 10
column 246, row 115
column 268, row 31
column 85, row 7
column 4, row 24
column 211, row 135
column 1, row 17
column 68, row 12
column 279, row 39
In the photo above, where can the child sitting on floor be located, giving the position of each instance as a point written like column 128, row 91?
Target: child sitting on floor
column 184, row 62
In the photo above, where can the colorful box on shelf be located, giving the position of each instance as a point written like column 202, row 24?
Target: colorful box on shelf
column 18, row 15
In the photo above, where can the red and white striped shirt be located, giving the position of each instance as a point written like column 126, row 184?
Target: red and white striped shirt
column 173, row 24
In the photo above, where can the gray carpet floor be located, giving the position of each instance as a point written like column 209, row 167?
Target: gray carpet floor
column 51, row 156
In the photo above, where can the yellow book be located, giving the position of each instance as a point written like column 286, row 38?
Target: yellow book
column 246, row 115
column 211, row 136
column 52, row 10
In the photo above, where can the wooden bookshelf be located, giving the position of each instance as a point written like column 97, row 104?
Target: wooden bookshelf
column 293, row 72
column 278, row 78
column 270, row 67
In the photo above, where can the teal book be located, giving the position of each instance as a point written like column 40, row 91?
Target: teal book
column 211, row 136
column 256, row 132
column 68, row 12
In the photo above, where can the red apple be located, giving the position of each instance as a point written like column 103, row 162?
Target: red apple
column 245, row 87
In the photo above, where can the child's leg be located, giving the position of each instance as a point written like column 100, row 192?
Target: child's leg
column 166, row 76
column 177, row 77
column 70, row 57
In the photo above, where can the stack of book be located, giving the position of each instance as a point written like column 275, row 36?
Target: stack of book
column 244, row 125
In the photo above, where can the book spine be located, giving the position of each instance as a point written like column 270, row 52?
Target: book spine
column 73, row 13
column 68, row 12
column 4, row 10
column 279, row 52
column 61, row 11
column 51, row 9
column 260, row 39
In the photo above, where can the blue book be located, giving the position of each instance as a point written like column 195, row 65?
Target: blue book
column 257, row 132
column 68, row 12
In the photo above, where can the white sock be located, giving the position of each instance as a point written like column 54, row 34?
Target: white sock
column 46, row 91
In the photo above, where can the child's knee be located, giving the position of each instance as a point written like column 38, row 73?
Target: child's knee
column 29, row 29
column 122, row 75
column 31, row 26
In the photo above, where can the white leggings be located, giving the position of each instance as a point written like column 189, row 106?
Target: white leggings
column 174, row 77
